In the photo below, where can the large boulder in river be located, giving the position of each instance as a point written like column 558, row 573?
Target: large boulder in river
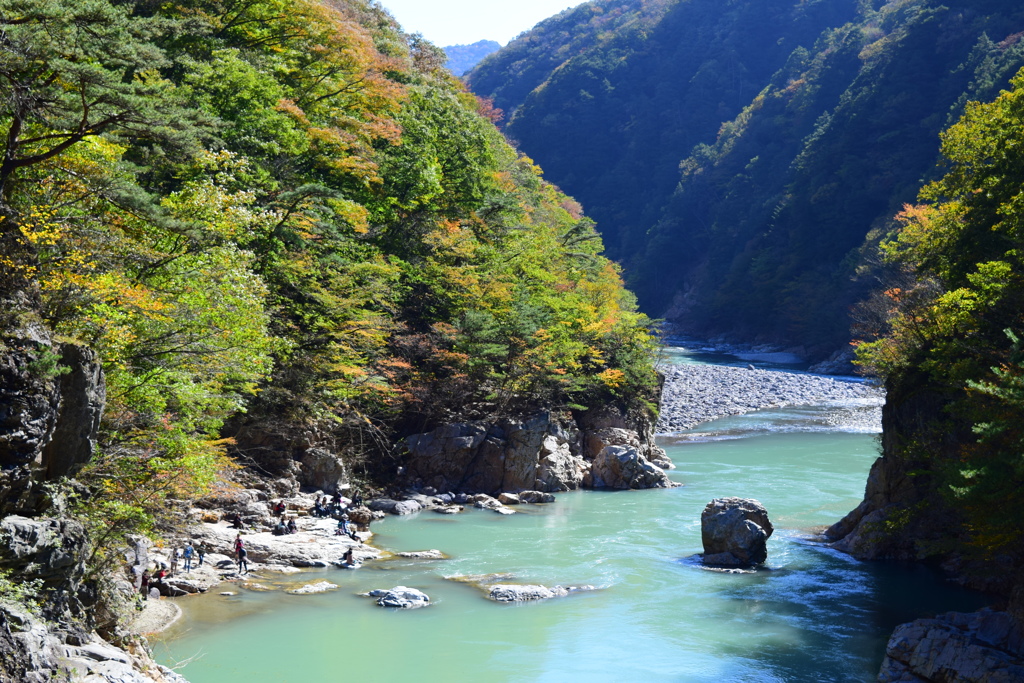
column 623, row 467
column 735, row 532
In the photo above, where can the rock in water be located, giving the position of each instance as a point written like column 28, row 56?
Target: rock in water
column 401, row 597
column 508, row 592
column 980, row 647
column 517, row 593
column 624, row 467
column 536, row 497
column 318, row 587
column 734, row 532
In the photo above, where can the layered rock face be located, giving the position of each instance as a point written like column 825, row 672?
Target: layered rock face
column 546, row 452
column 51, row 402
column 884, row 525
column 285, row 459
column 735, row 532
column 980, row 647
column 901, row 517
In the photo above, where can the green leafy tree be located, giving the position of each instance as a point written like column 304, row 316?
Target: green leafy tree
column 955, row 328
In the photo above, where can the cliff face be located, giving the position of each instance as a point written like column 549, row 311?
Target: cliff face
column 888, row 524
column 599, row 448
column 51, row 400
column 905, row 516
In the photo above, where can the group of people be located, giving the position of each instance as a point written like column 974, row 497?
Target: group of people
column 327, row 506
column 335, row 506
column 283, row 527
column 179, row 555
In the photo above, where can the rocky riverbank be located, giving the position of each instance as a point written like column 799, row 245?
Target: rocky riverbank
column 699, row 393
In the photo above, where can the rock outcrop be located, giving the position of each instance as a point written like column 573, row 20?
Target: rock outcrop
column 980, row 647
column 902, row 509
column 401, row 597
column 505, row 592
column 735, row 532
column 322, row 470
column 547, row 452
column 622, row 467
column 30, row 652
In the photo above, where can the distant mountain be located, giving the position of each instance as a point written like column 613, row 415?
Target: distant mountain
column 737, row 156
column 462, row 58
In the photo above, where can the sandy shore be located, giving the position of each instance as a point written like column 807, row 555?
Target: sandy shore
column 156, row 616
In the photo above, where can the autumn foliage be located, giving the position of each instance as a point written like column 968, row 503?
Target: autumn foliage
column 287, row 210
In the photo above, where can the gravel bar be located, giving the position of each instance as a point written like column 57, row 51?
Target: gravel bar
column 699, row 393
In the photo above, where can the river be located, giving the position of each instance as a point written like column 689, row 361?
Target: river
column 810, row 615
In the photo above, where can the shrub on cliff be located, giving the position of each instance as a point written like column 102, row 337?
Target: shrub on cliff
column 954, row 328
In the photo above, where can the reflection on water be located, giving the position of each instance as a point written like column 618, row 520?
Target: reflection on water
column 811, row 615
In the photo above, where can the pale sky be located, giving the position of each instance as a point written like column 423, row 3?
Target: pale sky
column 460, row 22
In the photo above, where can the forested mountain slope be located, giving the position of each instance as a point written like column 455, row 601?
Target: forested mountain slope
column 462, row 58
column 276, row 212
column 736, row 156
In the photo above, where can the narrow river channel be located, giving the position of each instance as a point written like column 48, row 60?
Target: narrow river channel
column 810, row 615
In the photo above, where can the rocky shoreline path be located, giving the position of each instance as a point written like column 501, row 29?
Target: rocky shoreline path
column 699, row 393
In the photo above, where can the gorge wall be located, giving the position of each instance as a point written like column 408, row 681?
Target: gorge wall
column 742, row 159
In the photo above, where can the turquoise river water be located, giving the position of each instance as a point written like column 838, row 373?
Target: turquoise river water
column 811, row 614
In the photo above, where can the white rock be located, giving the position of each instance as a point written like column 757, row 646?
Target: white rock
column 401, row 597
column 318, row 587
column 424, row 555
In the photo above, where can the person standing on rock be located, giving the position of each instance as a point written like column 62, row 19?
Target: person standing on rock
column 189, row 552
column 144, row 585
column 175, row 554
column 240, row 552
column 201, row 551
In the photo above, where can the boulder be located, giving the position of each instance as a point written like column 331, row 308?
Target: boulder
column 538, row 452
column 536, row 497
column 322, row 469
column 361, row 515
column 559, row 468
column 513, row 593
column 507, row 592
column 980, row 647
column 508, row 499
column 734, row 532
column 382, row 505
column 624, row 467
column 401, row 597
column 485, row 502
column 423, row 555
column 407, row 507
column 180, row 584
column 611, row 425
